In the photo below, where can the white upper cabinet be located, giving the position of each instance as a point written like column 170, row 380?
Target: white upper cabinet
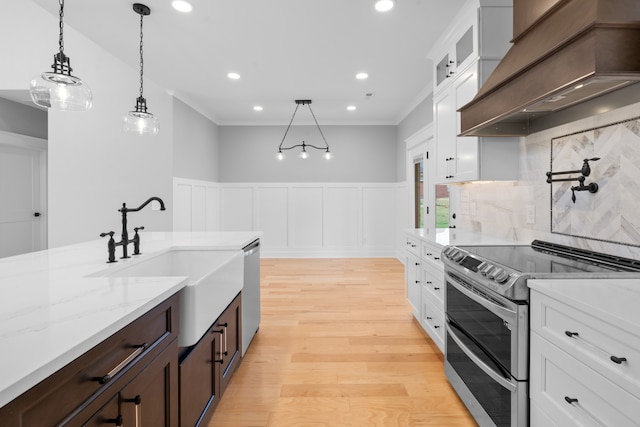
column 463, row 58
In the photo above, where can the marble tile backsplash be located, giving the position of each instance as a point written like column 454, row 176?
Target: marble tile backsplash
column 522, row 210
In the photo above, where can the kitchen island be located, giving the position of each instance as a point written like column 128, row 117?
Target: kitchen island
column 54, row 311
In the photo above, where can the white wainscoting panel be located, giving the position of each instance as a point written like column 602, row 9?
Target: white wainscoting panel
column 305, row 217
column 237, row 208
column 195, row 205
column 299, row 219
column 272, row 216
column 378, row 206
column 342, row 217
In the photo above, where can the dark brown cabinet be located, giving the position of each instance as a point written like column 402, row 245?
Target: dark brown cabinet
column 93, row 390
column 207, row 367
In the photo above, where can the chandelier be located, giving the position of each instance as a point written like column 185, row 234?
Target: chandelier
column 304, row 154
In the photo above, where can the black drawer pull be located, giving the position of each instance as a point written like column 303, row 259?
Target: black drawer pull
column 437, row 289
column 112, row 373
column 570, row 400
column 436, row 326
column 571, row 334
column 618, row 360
column 429, row 318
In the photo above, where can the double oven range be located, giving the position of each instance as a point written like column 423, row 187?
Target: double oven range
column 487, row 319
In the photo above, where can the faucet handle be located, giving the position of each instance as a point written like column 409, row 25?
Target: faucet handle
column 136, row 240
column 111, row 246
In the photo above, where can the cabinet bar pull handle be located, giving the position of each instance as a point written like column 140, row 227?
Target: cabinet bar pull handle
column 137, row 401
column 618, row 360
column 221, row 332
column 435, row 288
column 224, row 339
column 571, row 334
column 436, row 326
column 112, row 373
column 570, row 400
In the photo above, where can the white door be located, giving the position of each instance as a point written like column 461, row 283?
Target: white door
column 21, row 217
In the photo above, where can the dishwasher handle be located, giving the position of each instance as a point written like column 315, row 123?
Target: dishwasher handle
column 251, row 248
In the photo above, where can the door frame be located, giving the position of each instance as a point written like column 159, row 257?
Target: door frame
column 41, row 145
column 418, row 145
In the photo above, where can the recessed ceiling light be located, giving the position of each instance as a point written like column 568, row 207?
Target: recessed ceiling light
column 384, row 5
column 257, row 108
column 233, row 76
column 362, row 76
column 351, row 108
column 182, row 6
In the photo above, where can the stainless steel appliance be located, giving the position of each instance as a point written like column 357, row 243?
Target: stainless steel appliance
column 250, row 294
column 487, row 319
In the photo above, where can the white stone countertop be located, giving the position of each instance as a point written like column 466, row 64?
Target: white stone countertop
column 457, row 237
column 613, row 300
column 51, row 312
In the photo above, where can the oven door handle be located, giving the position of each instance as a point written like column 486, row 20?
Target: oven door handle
column 486, row 368
column 503, row 313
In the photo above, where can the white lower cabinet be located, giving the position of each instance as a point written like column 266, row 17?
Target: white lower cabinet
column 583, row 369
column 432, row 318
column 425, row 291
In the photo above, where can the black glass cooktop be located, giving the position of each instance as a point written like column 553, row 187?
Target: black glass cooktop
column 542, row 257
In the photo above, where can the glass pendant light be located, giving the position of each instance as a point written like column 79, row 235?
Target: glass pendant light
column 140, row 121
column 59, row 89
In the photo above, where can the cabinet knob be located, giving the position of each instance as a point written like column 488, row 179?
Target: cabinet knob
column 618, row 360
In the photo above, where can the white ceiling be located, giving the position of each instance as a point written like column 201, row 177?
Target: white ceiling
column 283, row 50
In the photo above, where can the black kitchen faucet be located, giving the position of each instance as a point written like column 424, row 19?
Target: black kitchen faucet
column 124, row 238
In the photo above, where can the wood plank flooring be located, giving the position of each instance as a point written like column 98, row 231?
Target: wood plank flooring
column 338, row 346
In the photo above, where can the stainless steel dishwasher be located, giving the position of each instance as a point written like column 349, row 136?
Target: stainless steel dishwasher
column 250, row 293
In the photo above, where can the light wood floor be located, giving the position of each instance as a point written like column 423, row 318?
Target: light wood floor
column 337, row 346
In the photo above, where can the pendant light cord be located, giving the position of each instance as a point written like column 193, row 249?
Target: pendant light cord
column 141, row 58
column 61, row 24
column 288, row 127
column 315, row 120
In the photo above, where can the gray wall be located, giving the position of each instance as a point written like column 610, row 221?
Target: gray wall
column 22, row 119
column 195, row 144
column 361, row 154
column 418, row 118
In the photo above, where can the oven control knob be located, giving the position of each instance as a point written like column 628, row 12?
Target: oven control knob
column 458, row 257
column 494, row 273
column 487, row 269
column 502, row 277
column 447, row 251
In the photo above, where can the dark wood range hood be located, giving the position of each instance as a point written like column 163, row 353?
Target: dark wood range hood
column 570, row 59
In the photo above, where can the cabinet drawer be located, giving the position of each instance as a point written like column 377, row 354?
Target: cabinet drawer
column 433, row 281
column 594, row 342
column 432, row 319
column 431, row 253
column 58, row 397
column 413, row 245
column 571, row 393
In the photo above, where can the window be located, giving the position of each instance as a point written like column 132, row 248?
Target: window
column 418, row 181
column 442, row 206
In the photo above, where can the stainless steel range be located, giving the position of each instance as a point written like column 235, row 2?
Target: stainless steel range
column 487, row 319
